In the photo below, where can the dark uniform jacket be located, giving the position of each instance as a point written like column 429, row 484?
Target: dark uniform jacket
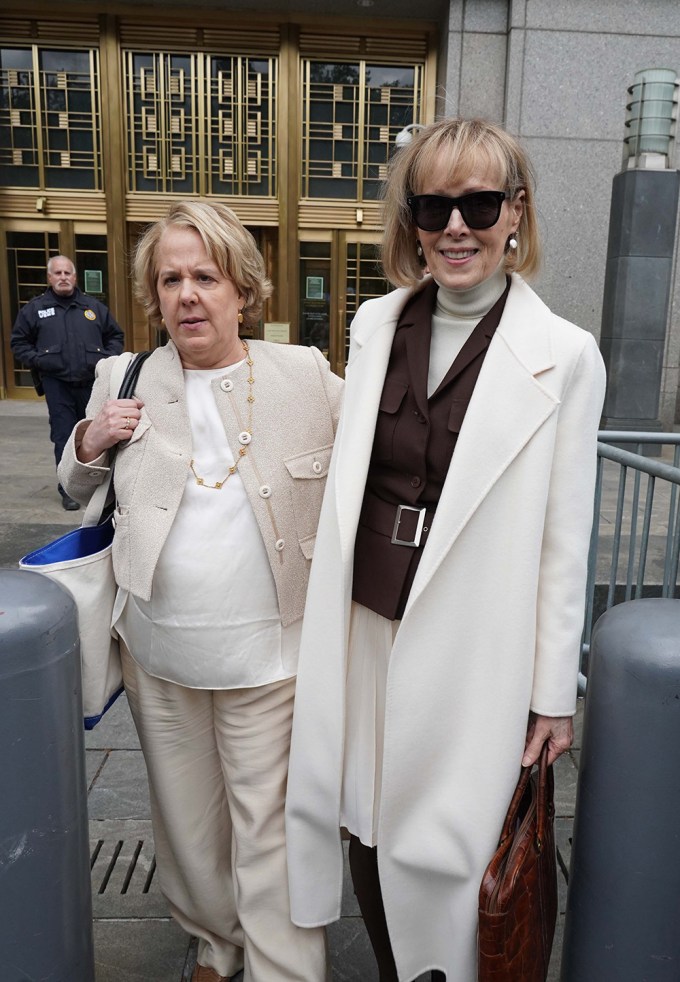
column 415, row 437
column 65, row 337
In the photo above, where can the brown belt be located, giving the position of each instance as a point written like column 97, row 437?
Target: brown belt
column 406, row 525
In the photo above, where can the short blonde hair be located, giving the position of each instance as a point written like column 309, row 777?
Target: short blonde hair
column 461, row 146
column 230, row 246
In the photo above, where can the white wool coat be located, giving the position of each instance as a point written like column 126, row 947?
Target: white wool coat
column 491, row 629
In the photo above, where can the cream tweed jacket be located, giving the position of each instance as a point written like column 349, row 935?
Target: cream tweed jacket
column 297, row 403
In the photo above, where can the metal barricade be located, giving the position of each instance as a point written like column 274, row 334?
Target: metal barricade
column 634, row 549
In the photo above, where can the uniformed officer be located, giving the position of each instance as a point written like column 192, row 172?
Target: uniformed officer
column 60, row 336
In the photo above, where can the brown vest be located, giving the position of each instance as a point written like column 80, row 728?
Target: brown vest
column 414, row 440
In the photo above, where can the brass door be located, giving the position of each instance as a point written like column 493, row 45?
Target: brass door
column 26, row 247
column 338, row 271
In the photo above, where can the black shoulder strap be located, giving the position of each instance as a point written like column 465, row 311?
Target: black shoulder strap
column 131, row 376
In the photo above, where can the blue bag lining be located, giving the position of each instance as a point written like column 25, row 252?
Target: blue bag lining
column 78, row 544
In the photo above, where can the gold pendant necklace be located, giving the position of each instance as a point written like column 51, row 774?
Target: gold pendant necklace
column 244, row 437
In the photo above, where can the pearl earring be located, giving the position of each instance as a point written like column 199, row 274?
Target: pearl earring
column 419, row 250
column 240, row 317
column 512, row 242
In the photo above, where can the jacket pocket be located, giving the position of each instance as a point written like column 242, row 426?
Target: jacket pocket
column 457, row 414
column 50, row 359
column 308, row 472
column 93, row 354
column 393, row 394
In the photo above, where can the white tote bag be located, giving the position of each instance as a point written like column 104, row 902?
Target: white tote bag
column 81, row 562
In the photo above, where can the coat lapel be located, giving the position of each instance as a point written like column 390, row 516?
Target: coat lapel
column 372, row 344
column 418, row 339
column 508, row 406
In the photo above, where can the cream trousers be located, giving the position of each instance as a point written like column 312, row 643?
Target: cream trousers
column 217, row 762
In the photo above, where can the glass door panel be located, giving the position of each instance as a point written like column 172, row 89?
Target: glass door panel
column 27, row 253
column 337, row 273
column 315, row 295
column 91, row 259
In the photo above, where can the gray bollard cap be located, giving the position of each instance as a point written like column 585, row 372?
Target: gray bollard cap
column 38, row 621
column 642, row 635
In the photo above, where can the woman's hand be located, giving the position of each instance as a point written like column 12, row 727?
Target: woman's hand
column 558, row 731
column 116, row 421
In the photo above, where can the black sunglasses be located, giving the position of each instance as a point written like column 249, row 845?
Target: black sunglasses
column 480, row 209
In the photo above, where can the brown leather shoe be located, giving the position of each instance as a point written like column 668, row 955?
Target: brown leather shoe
column 203, row 974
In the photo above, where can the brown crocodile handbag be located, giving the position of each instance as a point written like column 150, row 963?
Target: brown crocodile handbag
column 518, row 895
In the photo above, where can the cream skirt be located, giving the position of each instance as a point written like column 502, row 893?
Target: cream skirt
column 371, row 637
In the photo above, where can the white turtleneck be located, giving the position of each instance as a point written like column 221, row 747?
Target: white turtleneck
column 455, row 317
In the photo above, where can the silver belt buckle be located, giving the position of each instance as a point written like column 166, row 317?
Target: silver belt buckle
column 415, row 542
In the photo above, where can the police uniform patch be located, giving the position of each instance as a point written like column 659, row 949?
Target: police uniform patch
column 90, row 314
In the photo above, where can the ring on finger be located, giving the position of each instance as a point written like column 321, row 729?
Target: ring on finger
column 127, row 423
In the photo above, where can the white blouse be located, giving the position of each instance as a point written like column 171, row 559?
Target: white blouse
column 213, row 618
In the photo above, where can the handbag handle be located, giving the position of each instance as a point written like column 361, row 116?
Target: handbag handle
column 546, row 789
column 124, row 376
column 129, row 383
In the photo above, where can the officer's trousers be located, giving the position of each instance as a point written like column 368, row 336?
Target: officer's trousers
column 66, row 404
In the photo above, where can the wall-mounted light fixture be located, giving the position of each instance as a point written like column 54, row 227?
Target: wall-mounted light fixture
column 40, row 204
column 405, row 136
column 651, row 116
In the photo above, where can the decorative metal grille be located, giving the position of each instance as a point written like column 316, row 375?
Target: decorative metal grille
column 180, row 140
column 50, row 119
column 71, row 120
column 351, row 113
column 162, row 122
column 330, row 130
column 364, row 280
column 392, row 100
column 241, row 126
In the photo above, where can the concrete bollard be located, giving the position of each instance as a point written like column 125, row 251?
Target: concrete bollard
column 623, row 905
column 45, row 898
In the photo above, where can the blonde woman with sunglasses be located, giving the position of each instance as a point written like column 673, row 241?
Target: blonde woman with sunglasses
column 441, row 636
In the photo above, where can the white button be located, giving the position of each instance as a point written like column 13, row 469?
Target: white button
column 316, row 466
column 244, row 438
column 279, row 544
column 226, row 385
column 265, row 491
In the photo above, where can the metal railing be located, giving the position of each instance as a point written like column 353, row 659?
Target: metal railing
column 634, row 549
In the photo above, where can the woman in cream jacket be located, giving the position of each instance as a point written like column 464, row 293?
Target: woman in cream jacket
column 219, row 475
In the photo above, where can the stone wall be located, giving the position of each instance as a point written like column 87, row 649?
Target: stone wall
column 556, row 75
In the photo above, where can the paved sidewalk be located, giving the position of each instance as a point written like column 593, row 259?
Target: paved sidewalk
column 135, row 939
